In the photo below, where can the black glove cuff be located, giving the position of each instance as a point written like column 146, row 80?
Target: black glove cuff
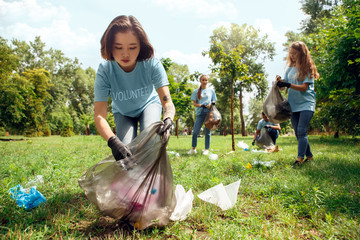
column 167, row 119
column 112, row 140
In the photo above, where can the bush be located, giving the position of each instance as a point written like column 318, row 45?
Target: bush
column 2, row 131
column 67, row 132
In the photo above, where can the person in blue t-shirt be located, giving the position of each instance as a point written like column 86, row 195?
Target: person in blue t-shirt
column 273, row 129
column 136, row 82
column 202, row 98
column 299, row 78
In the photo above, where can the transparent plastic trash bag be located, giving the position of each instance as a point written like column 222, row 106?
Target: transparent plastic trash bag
column 213, row 118
column 264, row 141
column 138, row 189
column 275, row 107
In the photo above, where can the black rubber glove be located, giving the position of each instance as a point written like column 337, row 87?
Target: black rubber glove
column 253, row 142
column 283, row 84
column 204, row 105
column 119, row 149
column 166, row 126
column 267, row 127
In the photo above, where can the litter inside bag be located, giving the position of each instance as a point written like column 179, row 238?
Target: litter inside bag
column 213, row 118
column 222, row 196
column 138, row 189
column 275, row 107
column 264, row 141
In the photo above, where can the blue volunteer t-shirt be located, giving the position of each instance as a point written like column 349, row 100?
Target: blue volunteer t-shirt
column 131, row 92
column 262, row 123
column 300, row 101
column 207, row 96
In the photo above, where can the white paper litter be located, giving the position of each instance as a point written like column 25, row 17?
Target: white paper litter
column 258, row 151
column 183, row 203
column 173, row 153
column 213, row 156
column 268, row 164
column 243, row 145
column 222, row 196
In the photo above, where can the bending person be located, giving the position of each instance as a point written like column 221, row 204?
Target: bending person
column 136, row 82
column 272, row 128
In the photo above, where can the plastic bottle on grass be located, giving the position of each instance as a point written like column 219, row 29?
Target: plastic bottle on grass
column 33, row 182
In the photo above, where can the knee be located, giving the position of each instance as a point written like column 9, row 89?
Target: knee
column 195, row 132
column 301, row 132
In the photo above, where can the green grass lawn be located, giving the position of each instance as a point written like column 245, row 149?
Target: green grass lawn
column 319, row 200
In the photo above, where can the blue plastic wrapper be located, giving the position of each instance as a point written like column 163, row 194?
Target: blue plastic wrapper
column 27, row 200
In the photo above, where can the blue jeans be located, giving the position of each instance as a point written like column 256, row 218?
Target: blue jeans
column 300, row 122
column 199, row 121
column 126, row 127
column 274, row 134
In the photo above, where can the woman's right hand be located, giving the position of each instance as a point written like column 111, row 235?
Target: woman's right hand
column 118, row 148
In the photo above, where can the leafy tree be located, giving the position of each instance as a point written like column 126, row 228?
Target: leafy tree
column 61, row 122
column 336, row 50
column 229, row 66
column 13, row 93
column 255, row 51
column 35, row 101
column 12, row 87
column 81, row 91
column 70, row 85
column 86, row 120
column 179, row 72
column 316, row 10
column 180, row 93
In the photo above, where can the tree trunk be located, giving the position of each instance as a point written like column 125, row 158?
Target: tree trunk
column 232, row 116
column 177, row 128
column 87, row 130
column 327, row 128
column 243, row 133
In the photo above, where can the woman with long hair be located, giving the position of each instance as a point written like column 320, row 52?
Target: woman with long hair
column 299, row 79
column 202, row 98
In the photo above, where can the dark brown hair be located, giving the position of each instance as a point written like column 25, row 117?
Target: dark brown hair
column 306, row 65
column 124, row 24
column 199, row 91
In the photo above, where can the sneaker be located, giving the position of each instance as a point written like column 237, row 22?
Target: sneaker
column 206, row 152
column 192, row 151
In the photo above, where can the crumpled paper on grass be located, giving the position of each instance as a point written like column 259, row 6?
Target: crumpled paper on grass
column 243, row 145
column 27, row 199
column 213, row 156
column 268, row 164
column 184, row 204
column 222, row 196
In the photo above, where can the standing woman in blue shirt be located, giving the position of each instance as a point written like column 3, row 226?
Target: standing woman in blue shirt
column 299, row 78
column 202, row 98
column 136, row 82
